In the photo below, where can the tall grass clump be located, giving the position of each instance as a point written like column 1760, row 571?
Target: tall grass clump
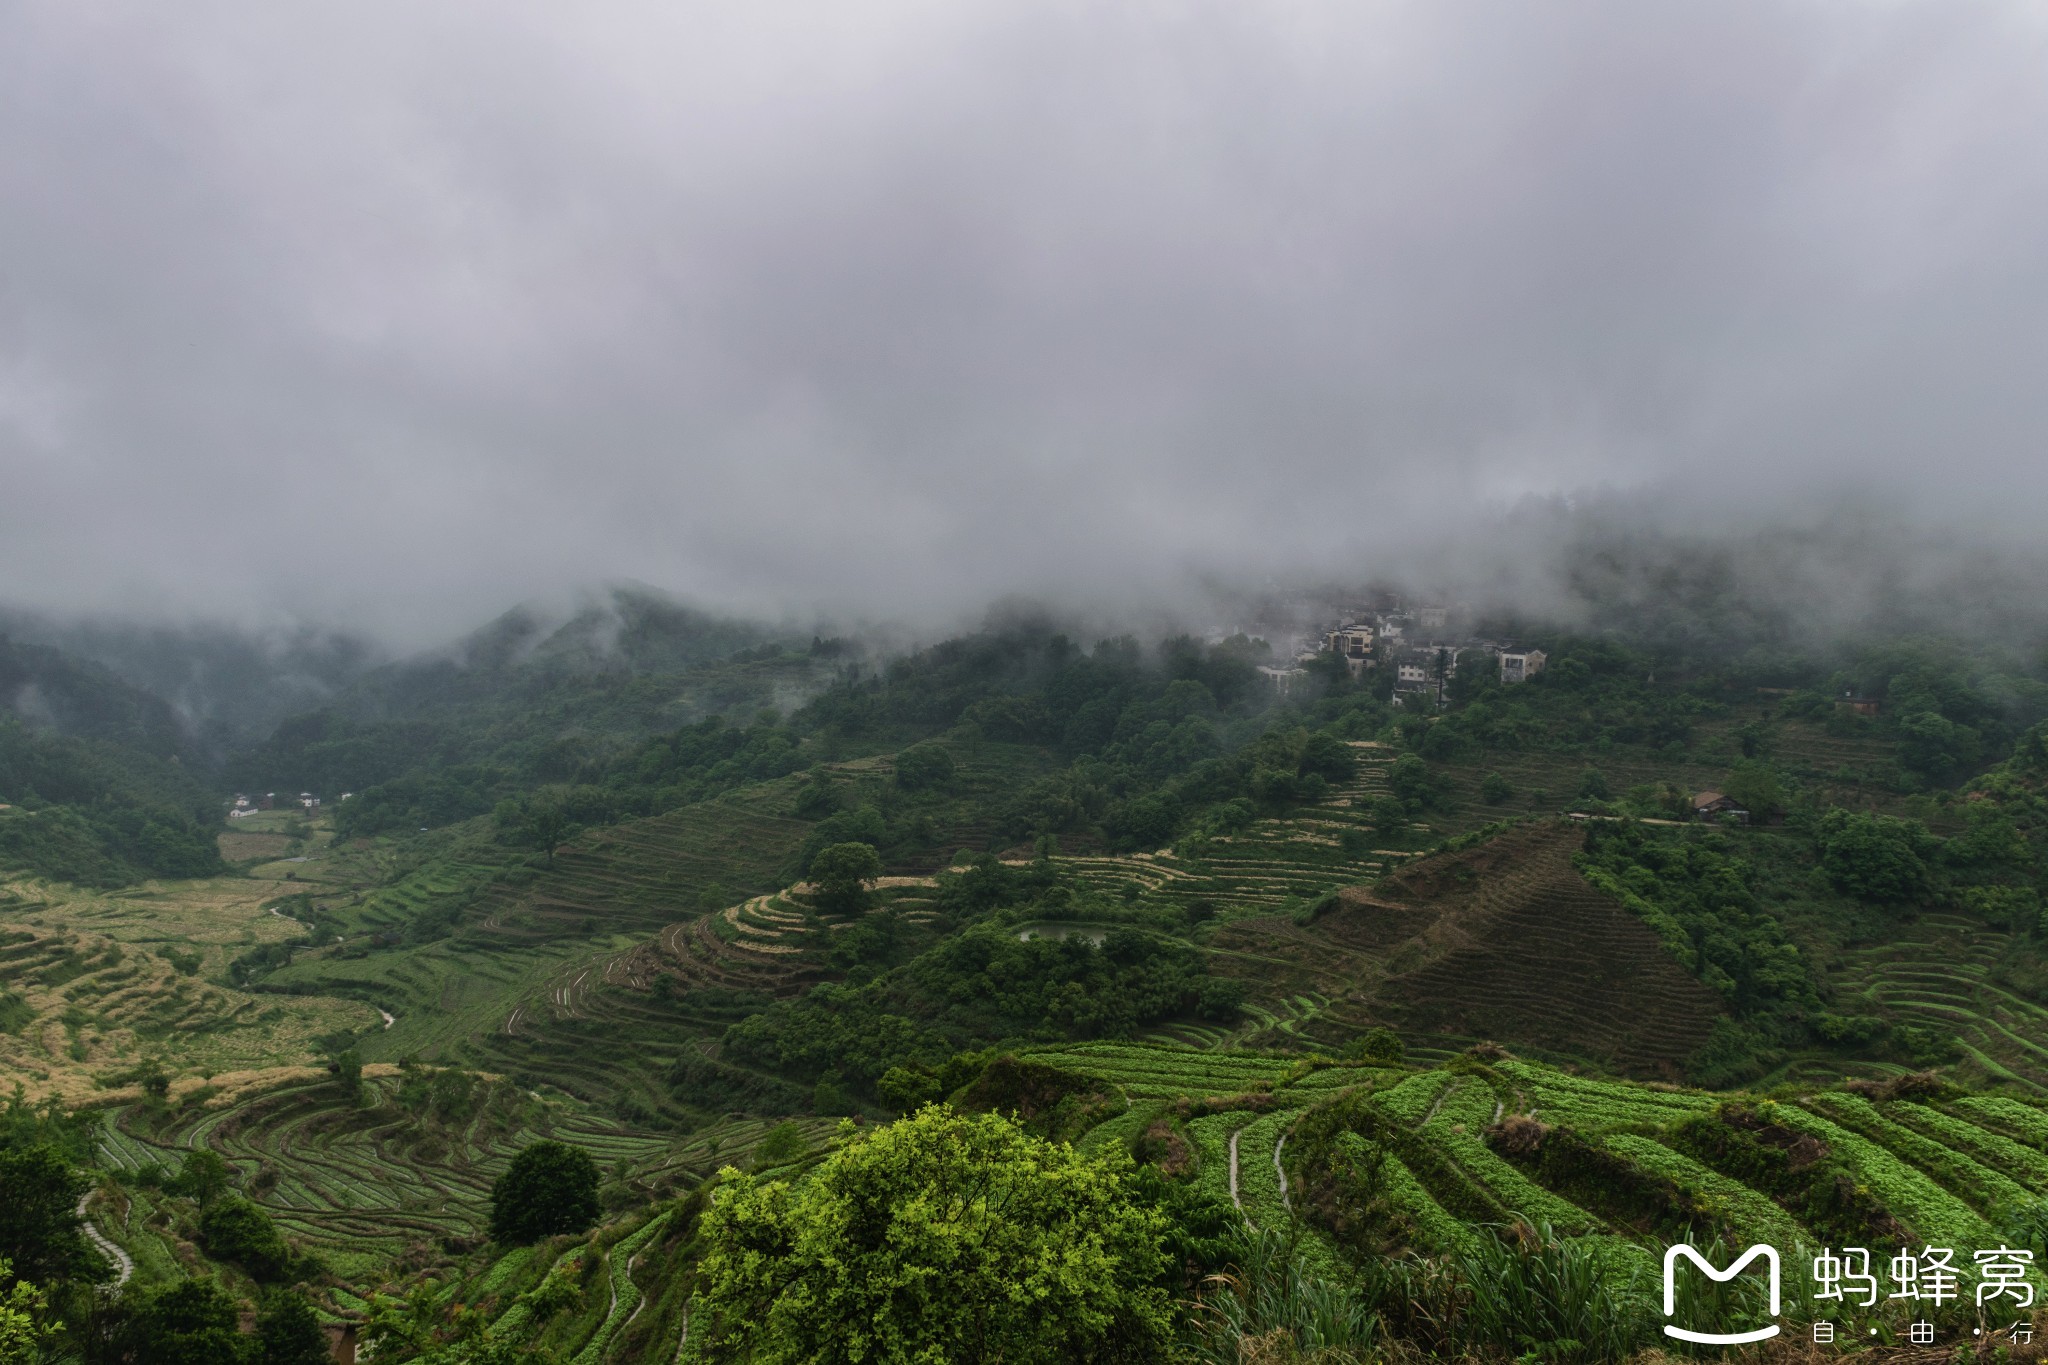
column 1270, row 1308
column 1536, row 1295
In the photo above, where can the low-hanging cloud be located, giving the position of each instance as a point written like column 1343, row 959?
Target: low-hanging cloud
column 391, row 314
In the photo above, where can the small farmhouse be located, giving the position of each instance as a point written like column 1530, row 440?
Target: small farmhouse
column 1520, row 665
column 1716, row 806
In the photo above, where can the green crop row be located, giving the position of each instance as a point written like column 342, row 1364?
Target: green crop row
column 1409, row 1100
column 1258, row 1180
column 1332, row 1078
column 1993, row 1148
column 1211, row 1137
column 1602, row 1113
column 1435, row 1230
column 2016, row 1117
column 1989, row 1192
column 1516, row 1192
column 1754, row 1215
column 1935, row 1215
column 625, row 1295
column 1578, row 1097
column 514, row 1321
column 1119, row 1131
column 1458, row 1128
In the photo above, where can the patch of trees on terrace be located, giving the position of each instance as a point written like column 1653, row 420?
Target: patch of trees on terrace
column 1753, row 917
column 1950, row 710
column 980, row 985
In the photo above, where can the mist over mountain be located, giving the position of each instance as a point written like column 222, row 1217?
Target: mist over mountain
column 381, row 326
column 224, row 683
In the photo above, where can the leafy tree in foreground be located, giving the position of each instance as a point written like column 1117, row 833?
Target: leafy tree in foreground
column 39, row 1224
column 288, row 1331
column 21, row 1331
column 191, row 1322
column 942, row 1237
column 551, row 1188
column 842, row 873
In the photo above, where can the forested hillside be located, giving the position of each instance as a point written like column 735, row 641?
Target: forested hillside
column 98, row 777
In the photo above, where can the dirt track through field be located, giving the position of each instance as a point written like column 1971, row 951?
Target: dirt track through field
column 121, row 1259
column 1235, row 1201
column 1281, row 1171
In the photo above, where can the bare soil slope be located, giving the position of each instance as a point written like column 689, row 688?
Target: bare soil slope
column 1504, row 941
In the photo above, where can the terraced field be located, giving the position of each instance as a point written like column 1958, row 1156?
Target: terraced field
column 115, row 979
column 1852, row 770
column 1949, row 1171
column 1941, row 971
column 401, row 1180
column 1274, row 863
column 770, row 945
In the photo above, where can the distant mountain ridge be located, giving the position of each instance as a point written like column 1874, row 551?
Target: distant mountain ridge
column 226, row 686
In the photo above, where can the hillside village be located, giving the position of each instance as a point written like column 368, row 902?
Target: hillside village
column 1422, row 647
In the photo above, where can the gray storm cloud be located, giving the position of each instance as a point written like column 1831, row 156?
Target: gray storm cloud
column 392, row 314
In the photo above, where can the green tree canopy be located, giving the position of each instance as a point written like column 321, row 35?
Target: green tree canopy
column 1875, row 857
column 1378, row 1044
column 39, row 1224
column 288, row 1331
column 191, row 1322
column 841, row 872
column 942, row 1237
column 22, row 1330
column 234, row 1229
column 203, row 1176
column 550, row 1188
column 923, row 765
column 1755, row 788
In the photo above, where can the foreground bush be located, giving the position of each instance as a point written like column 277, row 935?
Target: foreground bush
column 942, row 1237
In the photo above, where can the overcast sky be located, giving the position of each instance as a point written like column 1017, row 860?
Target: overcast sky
column 393, row 313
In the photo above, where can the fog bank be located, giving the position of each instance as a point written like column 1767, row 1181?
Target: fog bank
column 386, row 317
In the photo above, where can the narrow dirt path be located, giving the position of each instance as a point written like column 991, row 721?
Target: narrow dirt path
column 1239, row 1203
column 1438, row 1102
column 120, row 1258
column 632, row 1261
column 1281, row 1171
